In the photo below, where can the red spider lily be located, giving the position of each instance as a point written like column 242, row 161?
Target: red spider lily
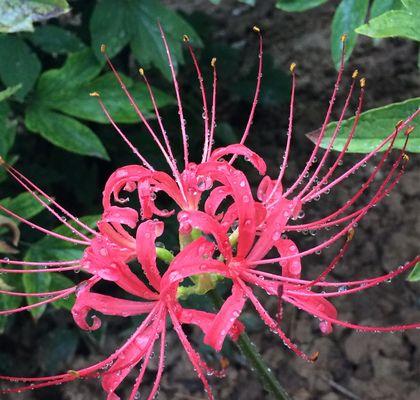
column 257, row 227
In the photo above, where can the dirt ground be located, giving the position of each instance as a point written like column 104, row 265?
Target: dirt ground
column 351, row 365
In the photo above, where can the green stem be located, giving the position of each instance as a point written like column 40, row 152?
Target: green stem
column 250, row 352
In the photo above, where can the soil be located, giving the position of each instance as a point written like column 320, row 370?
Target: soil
column 351, row 365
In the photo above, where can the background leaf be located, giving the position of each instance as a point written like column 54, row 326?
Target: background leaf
column 298, row 5
column 24, row 204
column 36, row 283
column 59, row 282
column 415, row 273
column 18, row 64
column 10, row 91
column 375, row 125
column 56, row 40
column 17, row 15
column 7, row 129
column 381, row 6
column 65, row 132
column 349, row 15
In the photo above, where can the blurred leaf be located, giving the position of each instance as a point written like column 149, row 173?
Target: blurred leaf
column 374, row 126
column 51, row 248
column 57, row 348
column 349, row 15
column 78, row 103
column 56, row 40
column 64, row 132
column 10, row 91
column 413, row 6
column 59, row 282
column 10, row 224
column 298, row 5
column 135, row 22
column 24, row 204
column 381, row 6
column 18, row 15
column 414, row 275
column 13, row 281
column 393, row 23
column 36, row 283
column 18, row 64
column 7, row 129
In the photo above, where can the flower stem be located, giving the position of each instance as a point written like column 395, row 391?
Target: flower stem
column 250, row 352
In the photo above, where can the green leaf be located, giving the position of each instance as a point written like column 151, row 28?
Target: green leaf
column 64, row 132
column 413, row 6
column 108, row 25
column 18, row 64
column 136, row 22
column 374, row 126
column 393, row 23
column 414, row 274
column 298, row 5
column 381, row 6
column 78, row 103
column 59, row 282
column 14, row 282
column 56, row 40
column 18, row 15
column 24, row 204
column 79, row 68
column 36, row 283
column 51, row 248
column 349, row 15
column 10, row 91
column 7, row 129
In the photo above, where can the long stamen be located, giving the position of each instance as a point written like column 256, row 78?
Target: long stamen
column 42, row 294
column 16, row 173
column 178, row 96
column 333, row 137
column 289, row 135
column 213, row 109
column 38, row 271
column 41, row 229
column 324, row 125
column 257, row 90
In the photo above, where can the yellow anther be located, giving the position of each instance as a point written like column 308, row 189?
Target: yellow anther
column 213, row 62
column 256, row 29
column 224, row 362
column 141, row 71
column 314, row 356
column 292, row 67
column 343, row 37
column 350, row 234
column 94, row 94
column 362, row 82
column 409, row 130
column 185, row 38
column 103, row 48
column 398, row 124
column 74, row 373
column 405, row 157
column 2, row 160
column 355, row 73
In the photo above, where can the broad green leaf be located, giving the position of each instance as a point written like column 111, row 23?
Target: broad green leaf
column 56, row 40
column 78, row 103
column 349, row 15
column 10, row 91
column 18, row 15
column 381, row 6
column 79, row 68
column 51, row 248
column 136, row 22
column 64, row 132
column 59, row 282
column 374, row 126
column 413, row 6
column 298, row 5
column 108, row 25
column 7, row 129
column 415, row 273
column 24, row 204
column 36, row 283
column 393, row 23
column 18, row 64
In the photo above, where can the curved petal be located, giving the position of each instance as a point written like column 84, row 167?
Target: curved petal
column 121, row 215
column 225, row 318
column 240, row 150
column 147, row 233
